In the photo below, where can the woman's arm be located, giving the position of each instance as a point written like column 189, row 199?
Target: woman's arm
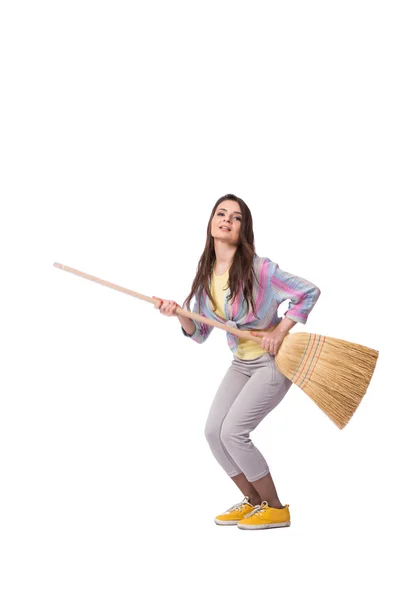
column 285, row 325
column 187, row 325
column 201, row 331
column 302, row 294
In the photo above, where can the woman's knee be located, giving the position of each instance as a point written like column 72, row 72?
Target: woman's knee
column 229, row 434
column 212, row 431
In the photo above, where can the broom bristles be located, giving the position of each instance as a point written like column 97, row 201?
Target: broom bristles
column 334, row 373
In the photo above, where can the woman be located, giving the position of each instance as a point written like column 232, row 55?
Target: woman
column 235, row 286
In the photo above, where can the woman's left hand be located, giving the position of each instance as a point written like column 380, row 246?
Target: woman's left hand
column 271, row 341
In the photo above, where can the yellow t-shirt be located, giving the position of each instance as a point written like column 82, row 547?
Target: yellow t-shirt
column 247, row 349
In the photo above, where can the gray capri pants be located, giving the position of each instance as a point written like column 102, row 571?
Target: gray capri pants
column 247, row 393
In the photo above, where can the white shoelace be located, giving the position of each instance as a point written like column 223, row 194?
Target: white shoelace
column 257, row 508
column 238, row 505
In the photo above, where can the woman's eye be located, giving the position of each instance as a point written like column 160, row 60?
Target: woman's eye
column 220, row 214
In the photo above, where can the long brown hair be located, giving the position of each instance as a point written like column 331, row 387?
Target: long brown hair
column 241, row 273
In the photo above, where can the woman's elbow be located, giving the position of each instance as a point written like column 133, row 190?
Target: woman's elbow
column 317, row 292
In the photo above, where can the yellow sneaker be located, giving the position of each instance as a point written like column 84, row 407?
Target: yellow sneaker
column 235, row 513
column 266, row 517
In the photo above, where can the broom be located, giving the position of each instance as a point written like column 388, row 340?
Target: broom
column 334, row 373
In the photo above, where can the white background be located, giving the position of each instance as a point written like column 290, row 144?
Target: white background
column 121, row 125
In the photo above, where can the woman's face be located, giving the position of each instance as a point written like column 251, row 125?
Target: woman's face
column 226, row 222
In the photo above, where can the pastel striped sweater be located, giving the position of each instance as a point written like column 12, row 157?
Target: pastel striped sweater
column 274, row 287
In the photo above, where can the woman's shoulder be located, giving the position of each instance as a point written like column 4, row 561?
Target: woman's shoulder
column 265, row 267
column 259, row 261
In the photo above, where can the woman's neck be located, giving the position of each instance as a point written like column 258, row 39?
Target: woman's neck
column 224, row 253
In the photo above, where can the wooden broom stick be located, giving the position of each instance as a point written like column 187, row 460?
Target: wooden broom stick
column 181, row 311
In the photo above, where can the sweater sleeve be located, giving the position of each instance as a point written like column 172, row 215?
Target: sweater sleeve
column 302, row 294
column 202, row 330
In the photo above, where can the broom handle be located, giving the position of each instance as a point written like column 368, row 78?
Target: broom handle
column 180, row 311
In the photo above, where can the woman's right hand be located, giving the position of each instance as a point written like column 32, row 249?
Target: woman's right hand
column 167, row 307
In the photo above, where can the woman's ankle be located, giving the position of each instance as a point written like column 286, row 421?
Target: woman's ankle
column 254, row 501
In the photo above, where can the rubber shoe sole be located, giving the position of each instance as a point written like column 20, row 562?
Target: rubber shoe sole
column 265, row 526
column 219, row 522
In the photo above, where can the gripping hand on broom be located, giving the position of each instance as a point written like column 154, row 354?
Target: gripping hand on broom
column 166, row 307
column 272, row 340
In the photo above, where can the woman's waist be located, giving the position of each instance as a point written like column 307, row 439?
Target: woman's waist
column 269, row 327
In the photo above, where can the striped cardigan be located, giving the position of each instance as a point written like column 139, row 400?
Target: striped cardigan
column 274, row 287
